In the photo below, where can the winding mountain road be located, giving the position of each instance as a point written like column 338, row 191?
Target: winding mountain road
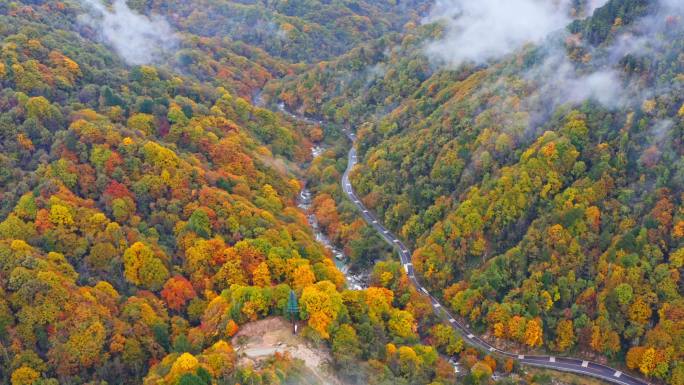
column 565, row 364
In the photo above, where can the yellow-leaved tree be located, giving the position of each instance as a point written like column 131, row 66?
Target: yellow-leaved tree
column 143, row 268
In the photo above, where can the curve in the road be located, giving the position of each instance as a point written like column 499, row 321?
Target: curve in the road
column 565, row 364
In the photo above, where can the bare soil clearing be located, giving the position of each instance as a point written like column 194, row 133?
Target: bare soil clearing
column 256, row 341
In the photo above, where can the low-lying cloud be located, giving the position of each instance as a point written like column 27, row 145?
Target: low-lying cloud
column 137, row 38
column 558, row 80
column 482, row 31
column 478, row 31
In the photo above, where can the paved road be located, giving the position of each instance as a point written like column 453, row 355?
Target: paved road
column 565, row 364
column 558, row 363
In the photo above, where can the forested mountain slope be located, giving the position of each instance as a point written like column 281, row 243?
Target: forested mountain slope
column 543, row 187
column 307, row 31
column 148, row 211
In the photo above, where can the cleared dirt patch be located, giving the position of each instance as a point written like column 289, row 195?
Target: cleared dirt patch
column 258, row 340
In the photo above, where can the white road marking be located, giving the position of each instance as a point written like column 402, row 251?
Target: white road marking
column 552, row 359
column 424, row 291
column 617, row 374
column 585, row 364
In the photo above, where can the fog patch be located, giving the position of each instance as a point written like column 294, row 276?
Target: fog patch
column 137, row 38
column 559, row 81
column 603, row 78
column 478, row 31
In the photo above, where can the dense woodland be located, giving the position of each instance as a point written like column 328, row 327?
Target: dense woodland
column 296, row 31
column 546, row 223
column 149, row 211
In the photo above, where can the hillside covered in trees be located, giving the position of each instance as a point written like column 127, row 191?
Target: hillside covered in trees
column 149, row 209
column 530, row 153
column 540, row 186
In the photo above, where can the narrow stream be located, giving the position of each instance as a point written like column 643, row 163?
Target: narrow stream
column 354, row 281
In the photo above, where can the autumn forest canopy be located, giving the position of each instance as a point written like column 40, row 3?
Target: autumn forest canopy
column 153, row 156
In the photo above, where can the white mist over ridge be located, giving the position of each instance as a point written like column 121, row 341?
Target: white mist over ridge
column 557, row 81
column 137, row 38
column 481, row 30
